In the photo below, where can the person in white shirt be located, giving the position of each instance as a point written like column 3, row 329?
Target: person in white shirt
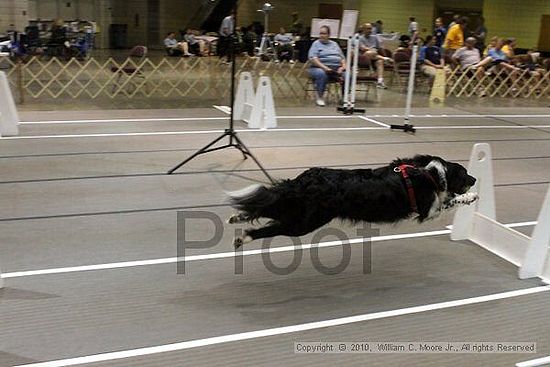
column 413, row 29
column 226, row 31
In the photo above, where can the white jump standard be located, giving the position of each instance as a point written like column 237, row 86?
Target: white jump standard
column 350, row 81
column 478, row 224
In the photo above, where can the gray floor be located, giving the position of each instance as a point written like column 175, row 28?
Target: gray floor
column 103, row 197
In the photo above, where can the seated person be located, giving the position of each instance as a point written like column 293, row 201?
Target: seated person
column 508, row 47
column 248, row 38
column 284, row 48
column 175, row 48
column 58, row 44
column 497, row 57
column 467, row 56
column 327, row 63
column 430, row 57
column 195, row 45
column 368, row 48
column 531, row 63
column 492, row 43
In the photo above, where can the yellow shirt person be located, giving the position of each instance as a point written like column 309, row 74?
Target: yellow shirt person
column 455, row 38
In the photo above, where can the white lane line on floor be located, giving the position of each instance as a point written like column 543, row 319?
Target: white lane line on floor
column 189, row 132
column 534, row 362
column 197, row 343
column 158, row 119
column 224, row 109
column 277, row 130
column 223, row 255
column 374, row 121
column 450, row 127
column 167, row 119
column 462, row 116
column 511, row 225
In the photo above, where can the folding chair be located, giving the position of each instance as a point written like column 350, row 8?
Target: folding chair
column 132, row 68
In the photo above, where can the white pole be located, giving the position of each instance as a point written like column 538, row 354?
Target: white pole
column 347, row 78
column 355, row 68
column 411, row 83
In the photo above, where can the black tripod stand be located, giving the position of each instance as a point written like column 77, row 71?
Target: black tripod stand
column 234, row 140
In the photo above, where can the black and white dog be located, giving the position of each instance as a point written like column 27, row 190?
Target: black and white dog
column 421, row 186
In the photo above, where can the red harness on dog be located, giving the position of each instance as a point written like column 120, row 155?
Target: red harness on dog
column 410, row 189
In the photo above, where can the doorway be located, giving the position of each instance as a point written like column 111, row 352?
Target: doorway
column 544, row 35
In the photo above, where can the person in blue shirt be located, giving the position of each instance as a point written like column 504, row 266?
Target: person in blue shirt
column 327, row 63
column 430, row 57
column 439, row 32
column 284, row 41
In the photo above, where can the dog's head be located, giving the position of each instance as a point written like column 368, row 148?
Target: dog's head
column 458, row 179
column 453, row 177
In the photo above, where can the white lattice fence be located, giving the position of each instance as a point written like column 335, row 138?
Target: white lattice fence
column 499, row 82
column 209, row 77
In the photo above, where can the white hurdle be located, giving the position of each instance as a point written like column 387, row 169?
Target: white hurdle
column 256, row 109
column 9, row 119
column 262, row 115
column 244, row 100
column 477, row 223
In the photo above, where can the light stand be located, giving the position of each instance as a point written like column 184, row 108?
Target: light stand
column 230, row 132
column 265, row 42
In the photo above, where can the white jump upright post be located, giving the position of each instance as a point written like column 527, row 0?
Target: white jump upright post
column 263, row 111
column 481, row 167
column 407, row 127
column 478, row 223
column 350, row 80
column 410, row 88
column 1, row 280
column 244, row 100
column 9, row 119
column 536, row 259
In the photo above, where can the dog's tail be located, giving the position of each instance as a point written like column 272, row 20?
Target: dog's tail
column 252, row 200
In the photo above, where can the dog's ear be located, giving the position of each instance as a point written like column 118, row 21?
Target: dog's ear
column 437, row 169
column 422, row 160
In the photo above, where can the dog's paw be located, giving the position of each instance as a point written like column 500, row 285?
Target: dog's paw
column 234, row 218
column 238, row 242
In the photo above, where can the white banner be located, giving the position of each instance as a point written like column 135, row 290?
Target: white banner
column 333, row 24
column 349, row 24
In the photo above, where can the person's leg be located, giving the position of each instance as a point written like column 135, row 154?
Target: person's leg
column 380, row 68
column 485, row 61
column 428, row 70
column 222, row 46
column 320, row 79
column 201, row 47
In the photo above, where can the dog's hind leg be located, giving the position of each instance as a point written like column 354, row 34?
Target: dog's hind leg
column 238, row 218
column 270, row 230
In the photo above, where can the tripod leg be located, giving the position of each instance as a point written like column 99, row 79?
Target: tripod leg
column 202, row 150
column 246, row 152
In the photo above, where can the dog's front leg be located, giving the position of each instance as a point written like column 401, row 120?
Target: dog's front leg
column 464, row 199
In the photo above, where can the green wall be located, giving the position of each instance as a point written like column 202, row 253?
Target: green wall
column 504, row 18
column 395, row 13
column 515, row 18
